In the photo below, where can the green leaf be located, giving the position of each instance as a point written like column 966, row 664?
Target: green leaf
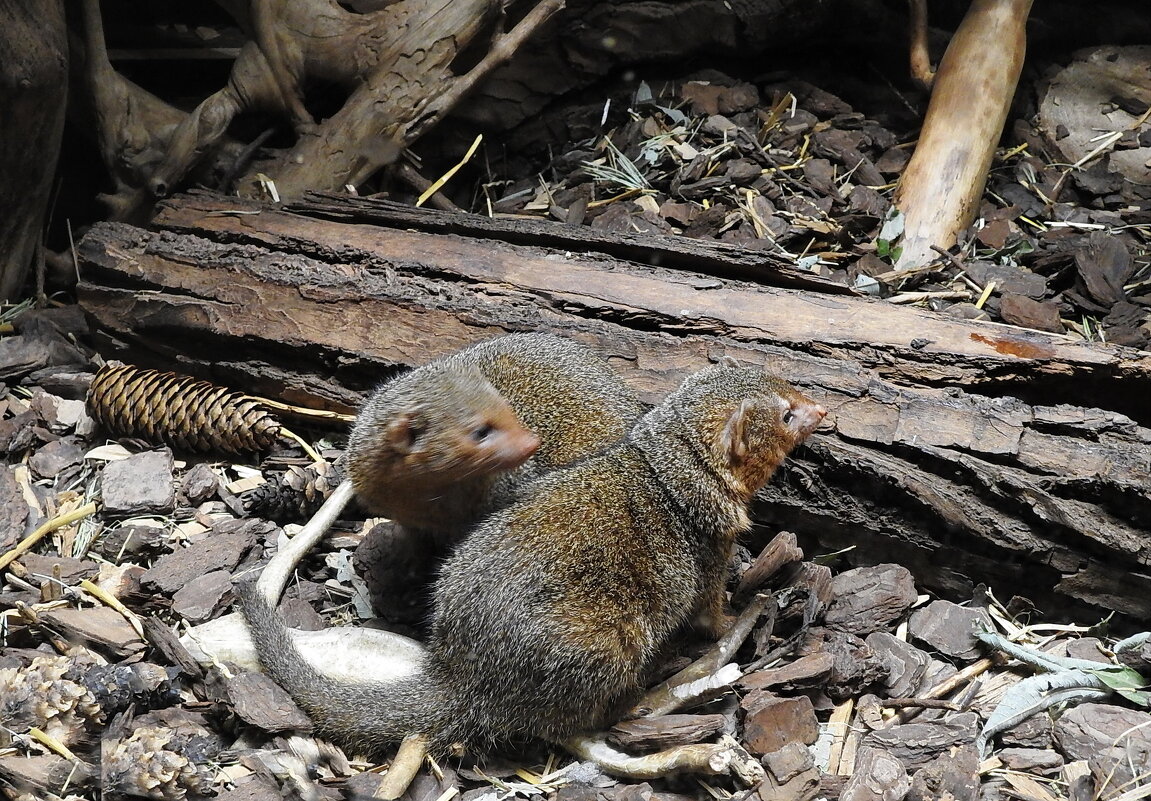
column 1141, row 698
column 1120, row 678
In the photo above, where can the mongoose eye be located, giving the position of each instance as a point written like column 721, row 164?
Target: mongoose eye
column 788, row 416
column 483, row 432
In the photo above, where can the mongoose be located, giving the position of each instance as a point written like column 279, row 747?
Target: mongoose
column 547, row 616
column 438, row 447
column 443, row 445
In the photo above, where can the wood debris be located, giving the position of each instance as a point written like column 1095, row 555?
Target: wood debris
column 856, row 683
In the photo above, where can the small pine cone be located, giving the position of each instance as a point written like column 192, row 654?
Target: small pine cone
column 39, row 696
column 151, row 764
column 115, row 687
column 179, row 411
column 297, row 493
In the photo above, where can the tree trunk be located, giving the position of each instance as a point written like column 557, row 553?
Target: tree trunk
column 33, row 96
column 970, row 452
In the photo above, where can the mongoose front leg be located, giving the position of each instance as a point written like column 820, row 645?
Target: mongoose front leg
column 711, row 620
column 707, row 676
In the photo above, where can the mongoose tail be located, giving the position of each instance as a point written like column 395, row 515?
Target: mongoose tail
column 347, row 713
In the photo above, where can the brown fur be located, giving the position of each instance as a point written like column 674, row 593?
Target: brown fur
column 548, row 615
column 414, row 455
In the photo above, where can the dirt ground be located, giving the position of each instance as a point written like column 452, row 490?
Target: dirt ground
column 853, row 684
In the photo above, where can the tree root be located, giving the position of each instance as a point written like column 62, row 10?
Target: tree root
column 710, row 759
column 395, row 63
column 939, row 191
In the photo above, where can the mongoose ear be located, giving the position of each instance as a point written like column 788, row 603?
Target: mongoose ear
column 728, row 361
column 734, row 441
column 401, row 432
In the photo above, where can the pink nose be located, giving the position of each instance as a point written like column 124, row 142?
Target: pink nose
column 521, row 447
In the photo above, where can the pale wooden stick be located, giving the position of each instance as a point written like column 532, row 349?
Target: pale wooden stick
column 404, row 767
column 275, row 576
column 940, row 190
column 921, row 69
column 703, row 677
column 716, row 759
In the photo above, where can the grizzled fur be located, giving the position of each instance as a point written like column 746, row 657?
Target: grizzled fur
column 548, row 615
column 437, row 448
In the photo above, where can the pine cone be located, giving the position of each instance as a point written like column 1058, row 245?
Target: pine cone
column 115, row 687
column 40, row 696
column 152, row 764
column 179, row 411
column 295, row 494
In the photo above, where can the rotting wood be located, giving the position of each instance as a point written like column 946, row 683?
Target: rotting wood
column 907, row 345
column 969, row 452
column 665, row 731
column 781, row 552
column 716, row 258
column 395, row 62
column 100, row 627
column 33, row 93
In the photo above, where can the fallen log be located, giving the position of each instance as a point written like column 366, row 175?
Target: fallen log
column 969, row 452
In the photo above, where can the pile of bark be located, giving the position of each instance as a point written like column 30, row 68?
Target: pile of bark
column 959, row 453
column 967, row 451
column 791, row 169
column 853, row 685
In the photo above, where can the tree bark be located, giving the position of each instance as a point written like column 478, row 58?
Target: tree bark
column 33, row 96
column 970, row 452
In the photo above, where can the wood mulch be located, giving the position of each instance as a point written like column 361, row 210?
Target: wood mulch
column 789, row 168
column 855, row 685
column 860, row 686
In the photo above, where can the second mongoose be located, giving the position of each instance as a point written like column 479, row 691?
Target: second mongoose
column 439, row 447
column 549, row 614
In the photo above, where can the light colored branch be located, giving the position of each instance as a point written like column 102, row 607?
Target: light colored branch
column 502, row 49
column 275, row 576
column 704, row 677
column 715, row 759
column 921, row 69
column 404, row 767
column 940, row 190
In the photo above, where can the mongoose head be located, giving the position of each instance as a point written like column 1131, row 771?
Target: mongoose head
column 748, row 422
column 431, row 428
